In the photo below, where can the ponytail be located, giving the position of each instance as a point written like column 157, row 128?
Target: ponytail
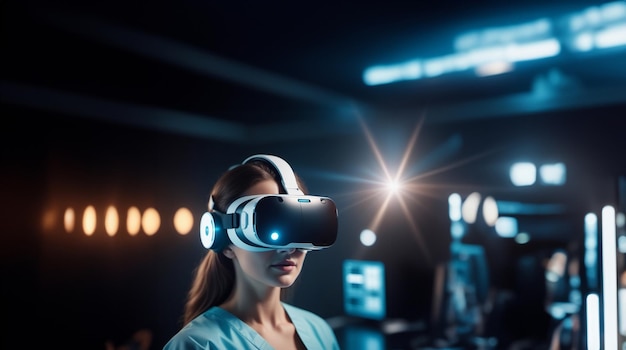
column 213, row 281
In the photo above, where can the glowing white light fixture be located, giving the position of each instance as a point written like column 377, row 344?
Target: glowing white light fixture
column 490, row 211
column 531, row 51
column 593, row 322
column 553, row 174
column 599, row 27
column 583, row 42
column 539, row 28
column 611, row 37
column 367, row 237
column 379, row 75
column 455, row 212
column 597, row 16
column 609, row 277
column 591, row 250
column 469, row 208
column 523, row 174
column 506, row 226
column 503, row 55
column 454, row 207
column 494, row 50
column 489, row 51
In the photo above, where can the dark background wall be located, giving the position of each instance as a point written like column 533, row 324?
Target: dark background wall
column 74, row 291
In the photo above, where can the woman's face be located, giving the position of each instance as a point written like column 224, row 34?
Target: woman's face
column 275, row 268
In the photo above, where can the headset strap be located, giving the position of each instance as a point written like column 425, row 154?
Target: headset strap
column 287, row 176
column 226, row 221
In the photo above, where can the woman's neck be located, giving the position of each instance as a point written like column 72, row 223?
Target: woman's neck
column 256, row 307
column 264, row 312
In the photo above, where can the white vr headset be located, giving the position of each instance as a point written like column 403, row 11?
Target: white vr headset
column 273, row 221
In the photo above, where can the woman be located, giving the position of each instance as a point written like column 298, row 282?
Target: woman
column 235, row 301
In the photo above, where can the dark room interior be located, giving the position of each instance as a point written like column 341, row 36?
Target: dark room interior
column 136, row 105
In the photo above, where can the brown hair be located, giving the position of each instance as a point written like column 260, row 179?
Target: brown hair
column 214, row 277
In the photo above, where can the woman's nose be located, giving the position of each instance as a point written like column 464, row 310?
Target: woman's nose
column 286, row 250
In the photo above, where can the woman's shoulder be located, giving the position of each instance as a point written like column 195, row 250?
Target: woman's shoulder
column 214, row 317
column 207, row 328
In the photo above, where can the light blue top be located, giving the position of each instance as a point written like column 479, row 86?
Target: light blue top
column 219, row 329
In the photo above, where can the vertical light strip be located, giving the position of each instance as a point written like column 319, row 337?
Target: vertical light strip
column 609, row 277
column 592, row 313
column 591, row 251
column 593, row 322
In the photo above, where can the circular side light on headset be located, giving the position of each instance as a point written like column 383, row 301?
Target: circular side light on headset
column 274, row 236
column 207, row 230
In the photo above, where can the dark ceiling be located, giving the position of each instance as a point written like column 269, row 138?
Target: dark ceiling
column 193, row 65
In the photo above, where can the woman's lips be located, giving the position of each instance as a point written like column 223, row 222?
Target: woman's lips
column 285, row 266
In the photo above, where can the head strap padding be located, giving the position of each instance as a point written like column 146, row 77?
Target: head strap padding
column 287, row 176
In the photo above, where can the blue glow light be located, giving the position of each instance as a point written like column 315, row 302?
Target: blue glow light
column 379, row 75
column 362, row 337
column 457, row 229
column 513, row 208
column 493, row 50
column 274, row 236
column 506, row 226
column 496, row 36
column 522, row 238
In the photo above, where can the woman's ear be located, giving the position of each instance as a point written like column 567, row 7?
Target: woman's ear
column 228, row 253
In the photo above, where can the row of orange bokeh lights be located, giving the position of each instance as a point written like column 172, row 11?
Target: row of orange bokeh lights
column 148, row 221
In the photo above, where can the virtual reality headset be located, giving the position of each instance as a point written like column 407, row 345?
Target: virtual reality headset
column 273, row 221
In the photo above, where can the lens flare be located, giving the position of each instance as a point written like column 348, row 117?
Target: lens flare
column 402, row 188
column 392, row 185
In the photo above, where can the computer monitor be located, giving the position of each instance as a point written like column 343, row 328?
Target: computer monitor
column 364, row 289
